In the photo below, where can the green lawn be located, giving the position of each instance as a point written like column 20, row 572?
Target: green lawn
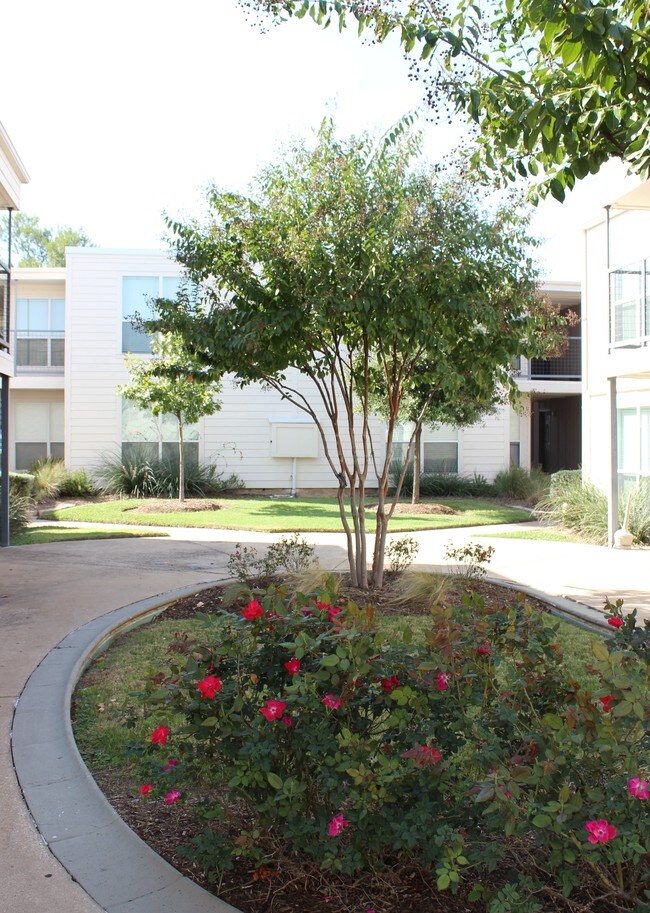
column 108, row 685
column 541, row 535
column 40, row 535
column 286, row 515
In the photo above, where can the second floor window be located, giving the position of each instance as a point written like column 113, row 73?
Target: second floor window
column 40, row 332
column 137, row 293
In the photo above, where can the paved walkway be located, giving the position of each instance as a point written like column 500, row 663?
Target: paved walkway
column 48, row 590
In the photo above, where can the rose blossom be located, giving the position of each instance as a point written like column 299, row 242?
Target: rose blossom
column 209, row 686
column 336, row 825
column 442, row 678
column 145, row 789
column 170, row 765
column 253, row 610
column 606, row 702
column 389, row 684
column 485, row 650
column 332, row 613
column 330, row 701
column 615, row 622
column 172, row 796
column 273, row 710
column 600, row 831
column 638, row 788
column 293, row 666
column 160, row 735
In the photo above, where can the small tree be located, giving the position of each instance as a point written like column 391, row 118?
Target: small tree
column 345, row 262
column 172, row 383
column 38, row 246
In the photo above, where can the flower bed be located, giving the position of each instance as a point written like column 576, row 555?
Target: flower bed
column 473, row 759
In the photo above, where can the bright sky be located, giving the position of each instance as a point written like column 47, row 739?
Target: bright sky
column 120, row 111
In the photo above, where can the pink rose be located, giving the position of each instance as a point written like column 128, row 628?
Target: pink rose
column 600, row 831
column 442, row 678
column 638, row 788
column 330, row 701
column 172, row 796
column 273, row 710
column 336, row 825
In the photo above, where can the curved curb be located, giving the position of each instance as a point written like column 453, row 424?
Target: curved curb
column 119, row 871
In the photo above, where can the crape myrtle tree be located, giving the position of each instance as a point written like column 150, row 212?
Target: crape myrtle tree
column 172, row 383
column 35, row 245
column 346, row 259
column 555, row 87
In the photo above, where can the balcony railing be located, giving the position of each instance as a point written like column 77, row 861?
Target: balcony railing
column 567, row 366
column 39, row 352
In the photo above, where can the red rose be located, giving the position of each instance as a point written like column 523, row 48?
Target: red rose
column 145, row 789
column 253, row 610
column 209, row 686
column 293, row 666
column 615, row 622
column 160, row 735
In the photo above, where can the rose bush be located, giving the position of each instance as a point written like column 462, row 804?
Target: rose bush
column 470, row 752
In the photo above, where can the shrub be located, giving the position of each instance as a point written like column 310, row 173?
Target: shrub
column 472, row 752
column 443, row 484
column 517, row 482
column 290, row 553
column 21, row 484
column 144, row 475
column 579, row 505
column 78, row 485
column 49, row 476
column 422, row 586
column 471, row 559
column 401, row 552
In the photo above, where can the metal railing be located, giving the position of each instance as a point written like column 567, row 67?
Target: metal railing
column 39, row 351
column 567, row 366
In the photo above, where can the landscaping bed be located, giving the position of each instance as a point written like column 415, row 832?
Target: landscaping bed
column 281, row 878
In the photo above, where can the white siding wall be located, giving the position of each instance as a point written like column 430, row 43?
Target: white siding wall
column 484, row 447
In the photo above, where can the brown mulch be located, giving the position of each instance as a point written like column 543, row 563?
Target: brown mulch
column 287, row 882
column 167, row 506
column 423, row 509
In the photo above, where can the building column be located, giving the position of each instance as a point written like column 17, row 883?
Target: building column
column 4, row 462
column 612, row 501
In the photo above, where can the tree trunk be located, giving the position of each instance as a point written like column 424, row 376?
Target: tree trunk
column 417, row 467
column 181, row 461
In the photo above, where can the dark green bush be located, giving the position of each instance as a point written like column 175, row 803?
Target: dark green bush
column 78, row 485
column 21, row 487
column 517, row 482
column 443, row 484
column 21, row 484
column 474, row 751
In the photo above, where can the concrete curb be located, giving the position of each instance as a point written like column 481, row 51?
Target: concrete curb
column 119, row 871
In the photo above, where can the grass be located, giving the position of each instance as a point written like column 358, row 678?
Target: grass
column 42, row 535
column 105, row 699
column 541, row 535
column 287, row 515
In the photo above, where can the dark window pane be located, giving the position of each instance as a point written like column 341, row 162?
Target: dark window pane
column 27, row 453
column 440, row 456
column 134, row 450
column 133, row 341
column 57, row 450
column 190, row 449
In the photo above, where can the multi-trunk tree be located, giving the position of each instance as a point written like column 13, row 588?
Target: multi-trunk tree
column 370, row 276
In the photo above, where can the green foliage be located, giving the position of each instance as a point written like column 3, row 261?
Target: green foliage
column 50, row 475
column 78, row 485
column 143, row 475
column 21, row 484
column 370, row 276
column 579, row 505
column 471, row 559
column 401, row 552
column 490, row 751
column 556, row 89
column 38, row 246
column 517, row 482
column 443, row 484
column 290, row 553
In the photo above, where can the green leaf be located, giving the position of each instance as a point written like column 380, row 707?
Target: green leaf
column 542, row 820
column 274, row 780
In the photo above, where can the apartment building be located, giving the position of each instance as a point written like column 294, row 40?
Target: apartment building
column 616, row 397
column 12, row 177
column 73, row 328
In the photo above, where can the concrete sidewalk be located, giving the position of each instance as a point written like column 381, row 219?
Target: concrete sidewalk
column 48, row 590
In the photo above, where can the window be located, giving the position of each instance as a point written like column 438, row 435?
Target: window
column 39, row 432
column 629, row 298
column 137, row 292
column 156, row 436
column 515, row 438
column 40, row 332
column 633, row 445
column 440, row 449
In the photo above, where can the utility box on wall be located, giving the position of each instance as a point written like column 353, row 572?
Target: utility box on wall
column 294, row 438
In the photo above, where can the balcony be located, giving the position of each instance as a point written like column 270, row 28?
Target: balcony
column 567, row 366
column 39, row 352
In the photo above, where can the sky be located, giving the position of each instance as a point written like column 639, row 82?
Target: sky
column 122, row 111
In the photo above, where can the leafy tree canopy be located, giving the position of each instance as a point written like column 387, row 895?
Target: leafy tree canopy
column 556, row 87
column 171, row 383
column 34, row 245
column 367, row 275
